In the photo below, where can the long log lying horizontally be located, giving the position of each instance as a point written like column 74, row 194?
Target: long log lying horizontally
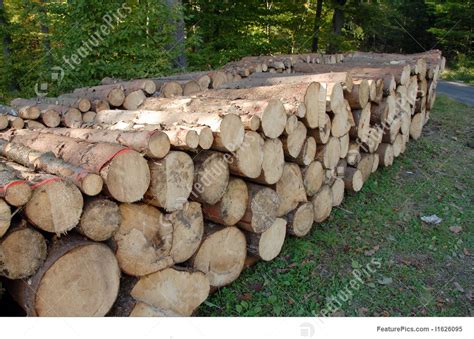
column 89, row 183
column 228, row 129
column 125, row 172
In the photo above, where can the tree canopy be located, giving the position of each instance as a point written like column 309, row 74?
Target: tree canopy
column 51, row 46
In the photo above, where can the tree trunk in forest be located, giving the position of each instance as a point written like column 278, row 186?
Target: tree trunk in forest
column 12, row 85
column 317, row 24
column 337, row 22
column 178, row 40
column 45, row 32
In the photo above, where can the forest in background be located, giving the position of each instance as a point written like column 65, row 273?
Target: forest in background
column 53, row 46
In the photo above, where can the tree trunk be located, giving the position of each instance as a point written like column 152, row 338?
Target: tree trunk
column 178, row 41
column 317, row 24
column 228, row 129
column 271, row 113
column 337, row 22
column 89, row 183
column 125, row 172
column 154, row 144
column 12, row 84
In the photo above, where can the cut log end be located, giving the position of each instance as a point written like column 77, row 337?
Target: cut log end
column 353, row 179
column 205, row 138
column 72, row 118
column 322, row 204
column 116, row 97
column 268, row 245
column 300, row 220
column 221, row 256
column 143, row 240
column 100, row 219
column 5, row 217
column 248, row 159
column 55, row 207
column 290, row 189
column 158, row 145
column 95, row 286
column 231, row 132
column 293, row 143
column 337, row 192
column 273, row 120
column 188, row 229
column 127, row 176
column 171, row 181
column 313, row 176
column 231, row 208
column 51, row 118
column 22, row 252
column 211, row 177
column 18, row 194
column 171, row 292
column 92, row 184
column 273, row 162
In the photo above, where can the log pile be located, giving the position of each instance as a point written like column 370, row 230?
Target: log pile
column 159, row 199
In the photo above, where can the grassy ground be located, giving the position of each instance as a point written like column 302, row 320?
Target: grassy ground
column 405, row 266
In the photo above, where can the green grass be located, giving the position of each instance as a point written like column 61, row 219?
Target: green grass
column 425, row 270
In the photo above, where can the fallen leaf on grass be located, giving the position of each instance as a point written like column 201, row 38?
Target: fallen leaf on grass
column 458, row 287
column 246, row 296
column 455, row 229
column 431, row 219
column 371, row 252
column 385, row 281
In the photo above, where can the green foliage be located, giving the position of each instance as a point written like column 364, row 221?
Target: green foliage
column 43, row 34
column 453, row 26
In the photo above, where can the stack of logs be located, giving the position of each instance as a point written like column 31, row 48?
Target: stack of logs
column 145, row 211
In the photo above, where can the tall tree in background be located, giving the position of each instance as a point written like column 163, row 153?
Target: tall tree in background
column 44, row 27
column 453, row 27
column 178, row 42
column 6, row 41
column 337, row 24
column 317, row 25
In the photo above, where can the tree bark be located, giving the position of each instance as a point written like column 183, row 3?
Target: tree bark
column 12, row 84
column 317, row 24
